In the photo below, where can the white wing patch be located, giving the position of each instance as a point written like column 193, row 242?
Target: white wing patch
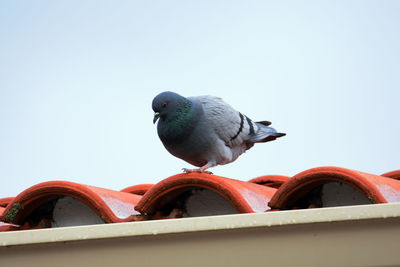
column 231, row 126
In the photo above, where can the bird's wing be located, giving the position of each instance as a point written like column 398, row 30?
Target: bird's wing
column 229, row 124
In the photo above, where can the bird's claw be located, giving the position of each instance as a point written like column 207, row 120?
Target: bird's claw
column 185, row 170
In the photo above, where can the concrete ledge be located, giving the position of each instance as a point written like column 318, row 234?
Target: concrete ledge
column 207, row 223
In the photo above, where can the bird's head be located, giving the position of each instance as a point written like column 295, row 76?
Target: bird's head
column 167, row 104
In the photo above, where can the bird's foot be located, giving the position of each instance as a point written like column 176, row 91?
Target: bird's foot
column 199, row 170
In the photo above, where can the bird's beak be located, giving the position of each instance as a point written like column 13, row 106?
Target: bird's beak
column 156, row 117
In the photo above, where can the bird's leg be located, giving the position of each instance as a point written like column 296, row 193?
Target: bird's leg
column 199, row 170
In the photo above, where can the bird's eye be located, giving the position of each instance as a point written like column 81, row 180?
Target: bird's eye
column 165, row 104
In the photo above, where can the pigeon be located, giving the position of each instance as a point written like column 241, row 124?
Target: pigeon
column 205, row 131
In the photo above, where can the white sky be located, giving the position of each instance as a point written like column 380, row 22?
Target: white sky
column 77, row 79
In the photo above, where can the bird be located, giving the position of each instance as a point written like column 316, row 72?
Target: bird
column 205, row 131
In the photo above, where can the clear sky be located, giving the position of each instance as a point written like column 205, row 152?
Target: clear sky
column 77, row 79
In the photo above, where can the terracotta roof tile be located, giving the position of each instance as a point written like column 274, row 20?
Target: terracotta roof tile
column 139, row 189
column 392, row 174
column 38, row 202
column 4, row 201
column 274, row 181
column 306, row 189
column 174, row 193
column 8, row 227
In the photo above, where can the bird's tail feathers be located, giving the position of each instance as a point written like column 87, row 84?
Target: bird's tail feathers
column 265, row 133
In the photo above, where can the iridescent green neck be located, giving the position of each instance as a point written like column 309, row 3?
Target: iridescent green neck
column 179, row 123
column 182, row 114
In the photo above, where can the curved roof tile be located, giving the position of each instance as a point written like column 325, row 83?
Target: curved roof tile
column 393, row 174
column 139, row 189
column 245, row 197
column 376, row 188
column 274, row 181
column 4, row 201
column 109, row 205
column 8, row 227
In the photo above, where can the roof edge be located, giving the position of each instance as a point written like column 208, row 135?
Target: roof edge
column 207, row 223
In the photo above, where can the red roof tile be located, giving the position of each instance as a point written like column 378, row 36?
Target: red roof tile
column 8, row 227
column 139, row 189
column 274, row 181
column 244, row 197
column 377, row 189
column 110, row 206
column 4, row 201
column 392, row 174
